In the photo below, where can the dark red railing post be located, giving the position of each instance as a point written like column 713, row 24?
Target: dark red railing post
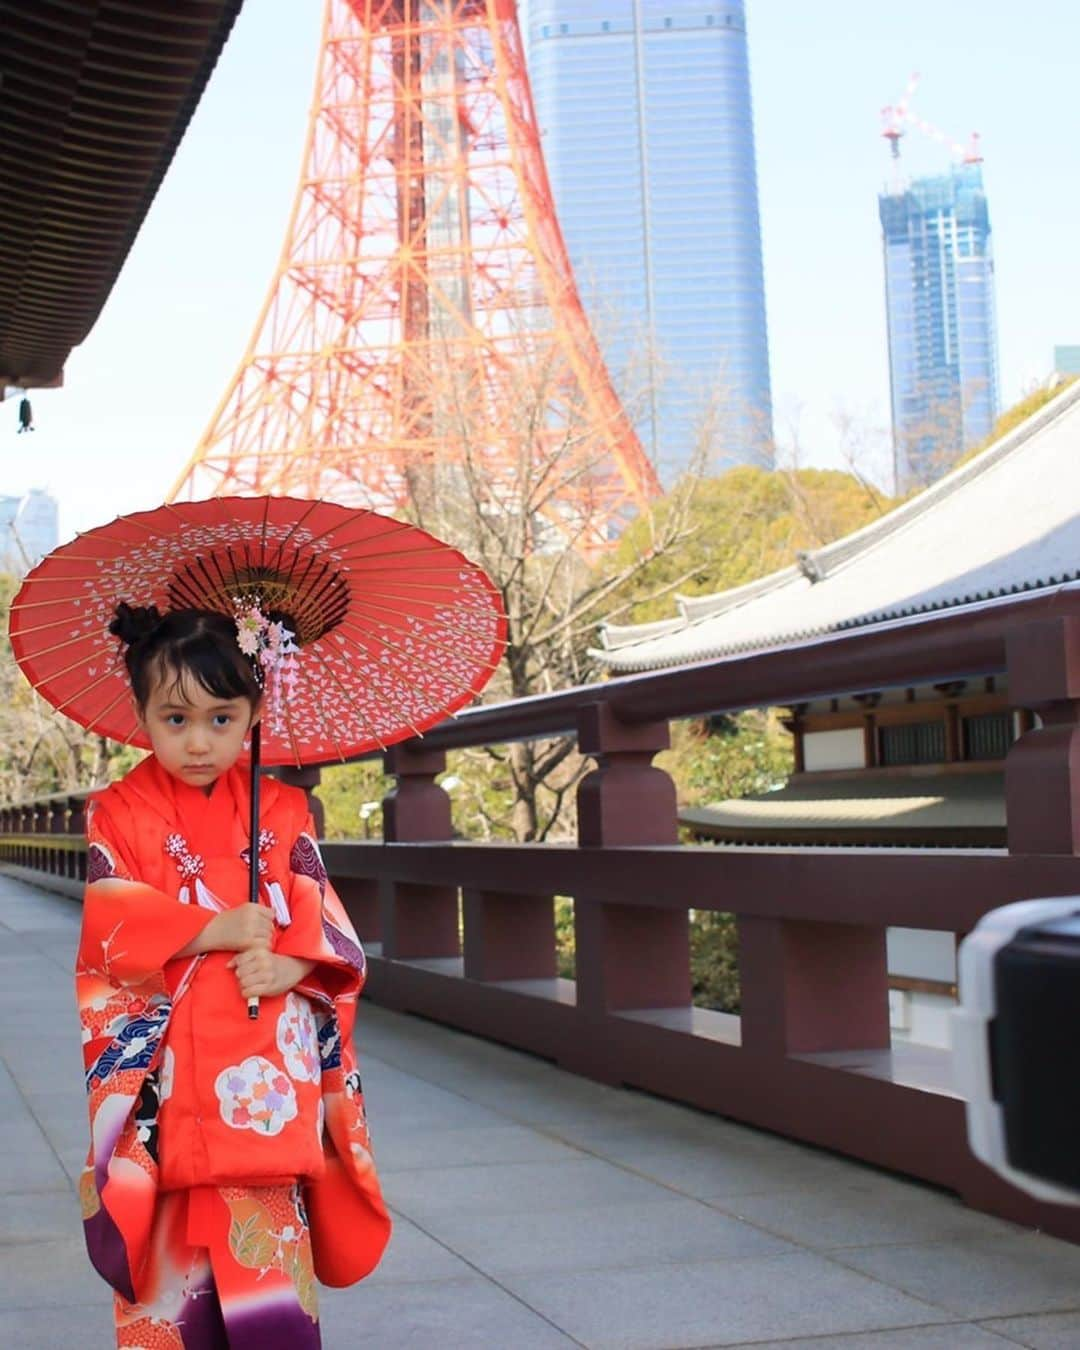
column 308, row 780
column 24, row 824
column 417, row 920
column 508, row 937
column 41, row 827
column 76, row 825
column 56, row 859
column 1042, row 769
column 29, row 830
column 360, row 897
column 627, row 956
column 809, row 986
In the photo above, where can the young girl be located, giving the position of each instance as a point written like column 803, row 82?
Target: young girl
column 230, row 1161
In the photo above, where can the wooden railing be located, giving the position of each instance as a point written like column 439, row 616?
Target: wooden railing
column 465, row 933
column 47, row 836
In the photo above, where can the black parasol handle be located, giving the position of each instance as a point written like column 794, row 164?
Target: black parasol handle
column 253, row 842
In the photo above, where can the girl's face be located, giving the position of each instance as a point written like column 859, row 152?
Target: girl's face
column 195, row 735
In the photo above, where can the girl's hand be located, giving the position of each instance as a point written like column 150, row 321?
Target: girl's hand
column 233, row 930
column 262, row 973
column 240, row 929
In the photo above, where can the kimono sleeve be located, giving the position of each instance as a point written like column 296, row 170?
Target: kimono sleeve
column 350, row 1225
column 129, row 929
column 320, row 930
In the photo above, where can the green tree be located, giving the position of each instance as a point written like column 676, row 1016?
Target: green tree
column 742, row 525
column 352, row 795
column 719, row 758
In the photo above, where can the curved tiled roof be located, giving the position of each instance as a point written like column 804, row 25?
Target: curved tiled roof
column 95, row 99
column 1006, row 521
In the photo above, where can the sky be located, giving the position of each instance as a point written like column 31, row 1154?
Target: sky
column 142, row 388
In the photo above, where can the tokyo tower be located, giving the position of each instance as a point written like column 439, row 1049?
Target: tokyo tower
column 423, row 279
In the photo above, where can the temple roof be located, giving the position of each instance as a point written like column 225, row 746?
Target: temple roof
column 96, row 98
column 1006, row 521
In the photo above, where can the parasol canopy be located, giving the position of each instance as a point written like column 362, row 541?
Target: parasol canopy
column 395, row 629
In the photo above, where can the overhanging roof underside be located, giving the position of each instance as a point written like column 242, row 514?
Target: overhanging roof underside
column 94, row 99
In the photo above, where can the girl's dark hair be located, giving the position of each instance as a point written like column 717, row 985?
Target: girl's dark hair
column 200, row 643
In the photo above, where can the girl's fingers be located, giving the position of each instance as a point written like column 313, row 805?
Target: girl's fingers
column 253, row 975
column 251, row 961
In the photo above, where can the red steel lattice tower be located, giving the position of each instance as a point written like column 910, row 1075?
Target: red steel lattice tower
column 423, row 266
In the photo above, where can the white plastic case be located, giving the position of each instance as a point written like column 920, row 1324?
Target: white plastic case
column 971, row 1040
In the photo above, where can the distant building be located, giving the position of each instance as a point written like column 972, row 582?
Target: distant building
column 645, row 114
column 29, row 528
column 1067, row 360
column 939, row 292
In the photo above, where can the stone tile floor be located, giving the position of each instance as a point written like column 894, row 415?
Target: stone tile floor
column 535, row 1209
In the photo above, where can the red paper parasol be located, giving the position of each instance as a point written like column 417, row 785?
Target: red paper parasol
column 396, row 630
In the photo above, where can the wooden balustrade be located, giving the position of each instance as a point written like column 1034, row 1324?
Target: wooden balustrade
column 46, row 836
column 810, row 1056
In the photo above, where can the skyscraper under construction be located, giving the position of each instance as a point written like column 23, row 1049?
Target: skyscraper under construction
column 939, row 291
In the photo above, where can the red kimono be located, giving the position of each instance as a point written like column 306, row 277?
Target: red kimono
column 230, row 1160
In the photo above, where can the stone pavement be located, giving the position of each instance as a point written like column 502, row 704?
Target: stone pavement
column 535, row 1209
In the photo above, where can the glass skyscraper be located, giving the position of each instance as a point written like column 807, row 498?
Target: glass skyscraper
column 644, row 108
column 939, row 294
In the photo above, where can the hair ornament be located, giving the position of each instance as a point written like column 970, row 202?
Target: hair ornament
column 272, row 650
column 134, row 623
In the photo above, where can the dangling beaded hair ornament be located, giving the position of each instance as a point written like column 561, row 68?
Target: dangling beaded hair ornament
column 273, row 652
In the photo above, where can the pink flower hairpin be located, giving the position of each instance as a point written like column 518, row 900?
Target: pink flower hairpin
column 273, row 652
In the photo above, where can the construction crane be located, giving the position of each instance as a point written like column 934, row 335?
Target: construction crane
column 897, row 118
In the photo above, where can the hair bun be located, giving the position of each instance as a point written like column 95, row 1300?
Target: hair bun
column 132, row 623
